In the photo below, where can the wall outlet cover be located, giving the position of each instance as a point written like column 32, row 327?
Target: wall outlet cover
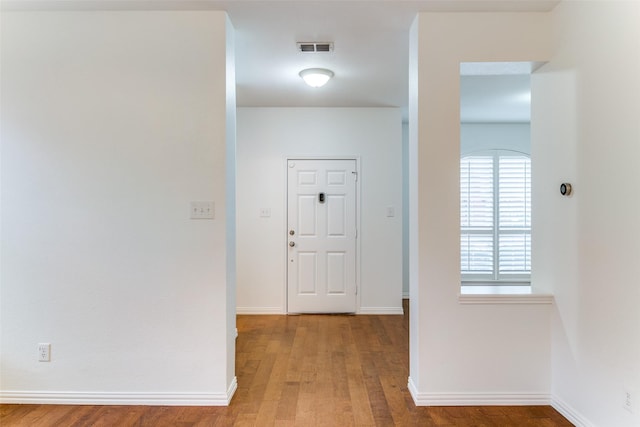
column 203, row 210
column 44, row 352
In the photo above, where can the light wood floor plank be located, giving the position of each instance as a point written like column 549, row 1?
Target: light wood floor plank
column 307, row 370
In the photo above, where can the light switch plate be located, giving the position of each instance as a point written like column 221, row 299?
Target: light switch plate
column 203, row 210
column 265, row 212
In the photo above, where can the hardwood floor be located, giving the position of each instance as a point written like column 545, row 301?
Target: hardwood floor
column 310, row 370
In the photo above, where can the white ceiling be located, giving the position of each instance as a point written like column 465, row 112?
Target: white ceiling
column 370, row 57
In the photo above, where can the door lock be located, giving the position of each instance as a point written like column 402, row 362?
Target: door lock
column 291, row 232
column 292, row 244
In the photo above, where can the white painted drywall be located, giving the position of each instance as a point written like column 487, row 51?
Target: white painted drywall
column 476, row 137
column 405, row 210
column 463, row 354
column 112, row 122
column 266, row 136
column 416, row 317
column 586, row 131
column 230, row 200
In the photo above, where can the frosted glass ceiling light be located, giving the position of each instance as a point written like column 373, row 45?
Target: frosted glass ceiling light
column 316, row 77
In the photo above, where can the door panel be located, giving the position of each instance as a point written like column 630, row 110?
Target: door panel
column 336, row 273
column 307, row 273
column 321, row 251
column 336, row 178
column 307, row 216
column 336, row 216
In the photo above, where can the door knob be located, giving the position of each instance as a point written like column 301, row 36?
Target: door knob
column 291, row 232
column 292, row 244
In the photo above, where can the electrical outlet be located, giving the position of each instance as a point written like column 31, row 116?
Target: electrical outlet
column 203, row 210
column 44, row 352
column 628, row 401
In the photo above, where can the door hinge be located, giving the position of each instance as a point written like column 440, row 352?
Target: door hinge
column 355, row 174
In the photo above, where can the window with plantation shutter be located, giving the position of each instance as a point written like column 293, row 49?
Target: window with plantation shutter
column 495, row 216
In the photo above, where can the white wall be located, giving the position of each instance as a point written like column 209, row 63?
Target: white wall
column 495, row 136
column 230, row 203
column 266, row 136
column 463, row 353
column 586, row 131
column 405, row 210
column 112, row 122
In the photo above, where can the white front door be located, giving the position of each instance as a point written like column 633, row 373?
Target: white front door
column 321, row 251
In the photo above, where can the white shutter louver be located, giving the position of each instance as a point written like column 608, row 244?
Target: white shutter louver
column 515, row 253
column 514, row 197
column 476, row 253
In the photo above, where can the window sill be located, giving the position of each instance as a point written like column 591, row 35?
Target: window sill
column 517, row 294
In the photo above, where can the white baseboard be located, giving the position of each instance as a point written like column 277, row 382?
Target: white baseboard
column 260, row 310
column 569, row 413
column 231, row 390
column 115, row 398
column 413, row 390
column 381, row 310
column 477, row 399
column 278, row 310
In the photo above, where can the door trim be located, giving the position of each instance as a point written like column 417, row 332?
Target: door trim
column 285, row 167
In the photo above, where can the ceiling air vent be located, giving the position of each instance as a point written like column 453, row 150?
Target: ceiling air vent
column 312, row 47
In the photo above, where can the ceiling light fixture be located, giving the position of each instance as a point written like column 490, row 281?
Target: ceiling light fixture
column 316, row 77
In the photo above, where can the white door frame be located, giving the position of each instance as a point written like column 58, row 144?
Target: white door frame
column 285, row 237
